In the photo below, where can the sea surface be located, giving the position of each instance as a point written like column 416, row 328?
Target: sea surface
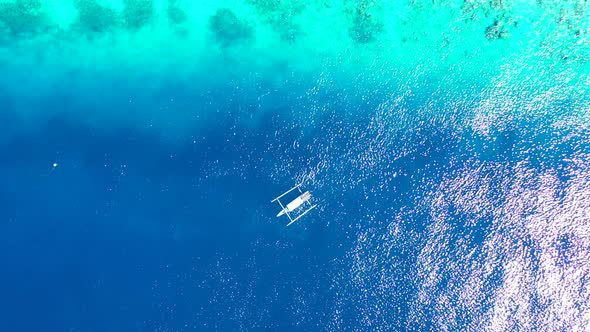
column 446, row 144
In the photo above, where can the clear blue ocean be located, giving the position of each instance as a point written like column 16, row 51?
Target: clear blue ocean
column 446, row 144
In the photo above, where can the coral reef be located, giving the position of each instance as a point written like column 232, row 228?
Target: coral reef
column 175, row 13
column 228, row 28
column 499, row 10
column 280, row 15
column 94, row 17
column 366, row 25
column 138, row 13
column 496, row 30
column 23, row 17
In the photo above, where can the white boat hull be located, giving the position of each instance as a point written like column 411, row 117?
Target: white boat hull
column 294, row 204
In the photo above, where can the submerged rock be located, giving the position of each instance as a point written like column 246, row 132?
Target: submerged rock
column 280, row 15
column 175, row 13
column 22, row 17
column 94, row 17
column 228, row 28
column 364, row 30
column 497, row 30
column 138, row 13
column 365, row 26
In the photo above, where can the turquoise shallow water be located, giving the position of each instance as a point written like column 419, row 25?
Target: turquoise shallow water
column 446, row 144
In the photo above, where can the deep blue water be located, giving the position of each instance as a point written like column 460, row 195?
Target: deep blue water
column 129, row 234
column 133, row 232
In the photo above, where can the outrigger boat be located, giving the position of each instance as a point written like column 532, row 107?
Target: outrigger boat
column 295, row 204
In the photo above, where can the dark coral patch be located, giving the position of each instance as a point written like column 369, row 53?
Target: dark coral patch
column 138, row 13
column 228, row 28
column 365, row 28
column 175, row 13
column 280, row 15
column 497, row 30
column 93, row 17
column 23, row 17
